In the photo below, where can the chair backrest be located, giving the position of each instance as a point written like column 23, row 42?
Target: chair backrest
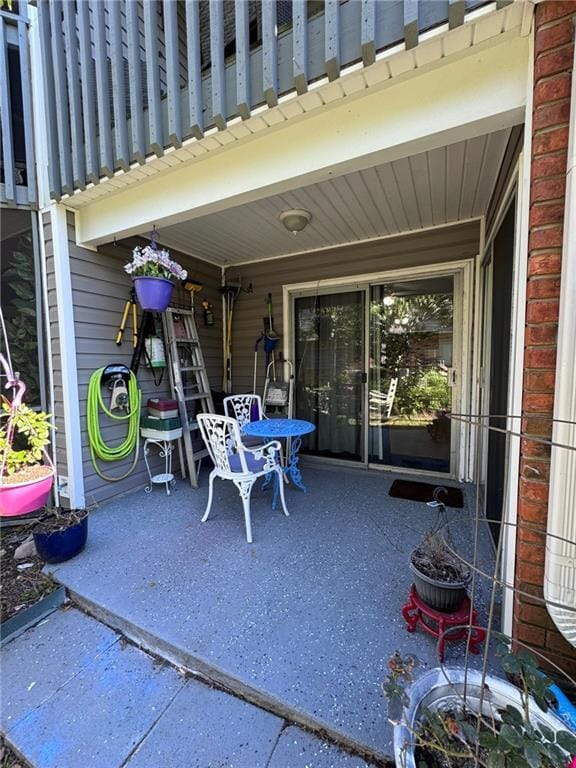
column 222, row 437
column 240, row 407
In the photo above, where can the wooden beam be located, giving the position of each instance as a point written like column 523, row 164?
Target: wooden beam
column 300, row 45
column 217, row 64
column 6, row 120
column 194, row 68
column 269, row 53
column 456, row 10
column 73, row 80
column 88, row 100
column 332, row 38
column 173, row 73
column 122, row 153
column 25, row 78
column 50, row 99
column 243, row 103
column 61, row 92
column 135, row 84
column 102, row 92
column 153, row 77
column 368, row 32
column 410, row 24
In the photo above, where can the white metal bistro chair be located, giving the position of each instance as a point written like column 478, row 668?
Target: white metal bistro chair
column 240, row 407
column 235, row 461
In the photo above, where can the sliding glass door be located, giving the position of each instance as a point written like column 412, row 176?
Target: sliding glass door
column 411, row 374
column 329, row 357
column 375, row 373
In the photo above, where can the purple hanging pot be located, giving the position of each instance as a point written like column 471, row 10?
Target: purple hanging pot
column 154, row 293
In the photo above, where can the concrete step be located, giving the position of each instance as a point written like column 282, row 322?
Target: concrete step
column 181, row 657
column 76, row 694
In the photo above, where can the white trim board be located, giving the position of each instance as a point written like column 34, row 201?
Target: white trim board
column 69, row 368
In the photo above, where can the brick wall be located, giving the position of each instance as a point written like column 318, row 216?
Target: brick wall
column 553, row 56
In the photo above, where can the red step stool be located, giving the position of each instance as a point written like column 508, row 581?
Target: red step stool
column 415, row 610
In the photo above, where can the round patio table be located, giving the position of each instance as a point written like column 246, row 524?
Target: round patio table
column 291, row 430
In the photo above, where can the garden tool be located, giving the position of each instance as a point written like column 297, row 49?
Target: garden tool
column 130, row 304
column 271, row 338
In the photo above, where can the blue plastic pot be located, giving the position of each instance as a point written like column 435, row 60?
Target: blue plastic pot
column 154, row 293
column 62, row 545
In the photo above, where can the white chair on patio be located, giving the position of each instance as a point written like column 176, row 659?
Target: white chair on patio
column 235, row 461
column 242, row 408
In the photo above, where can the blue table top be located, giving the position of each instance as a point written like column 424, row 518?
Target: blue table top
column 278, row 428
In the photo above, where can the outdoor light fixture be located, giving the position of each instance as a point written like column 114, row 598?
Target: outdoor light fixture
column 296, row 219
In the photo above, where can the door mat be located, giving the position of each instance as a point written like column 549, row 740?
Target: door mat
column 407, row 489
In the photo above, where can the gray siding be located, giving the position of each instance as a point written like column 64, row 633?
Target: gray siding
column 411, row 250
column 100, row 288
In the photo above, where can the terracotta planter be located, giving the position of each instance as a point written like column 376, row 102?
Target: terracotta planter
column 21, row 498
column 154, row 293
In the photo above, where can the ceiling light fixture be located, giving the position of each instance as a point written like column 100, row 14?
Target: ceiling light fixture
column 296, row 219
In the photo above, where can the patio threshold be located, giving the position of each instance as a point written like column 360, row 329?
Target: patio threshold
column 302, row 622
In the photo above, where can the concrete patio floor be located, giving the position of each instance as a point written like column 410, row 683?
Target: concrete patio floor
column 302, row 621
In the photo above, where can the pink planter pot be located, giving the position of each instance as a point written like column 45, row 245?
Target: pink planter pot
column 21, row 498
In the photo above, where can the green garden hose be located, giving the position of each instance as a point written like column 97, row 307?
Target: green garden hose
column 98, row 448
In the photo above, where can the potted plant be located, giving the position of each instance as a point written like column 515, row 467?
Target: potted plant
column 152, row 271
column 452, row 718
column 61, row 534
column 25, row 481
column 440, row 577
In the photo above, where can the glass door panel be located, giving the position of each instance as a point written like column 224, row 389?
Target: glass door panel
column 410, row 374
column 329, row 356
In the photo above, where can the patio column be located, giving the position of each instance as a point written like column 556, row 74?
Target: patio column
column 62, row 338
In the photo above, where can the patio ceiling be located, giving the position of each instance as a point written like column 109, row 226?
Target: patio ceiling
column 448, row 184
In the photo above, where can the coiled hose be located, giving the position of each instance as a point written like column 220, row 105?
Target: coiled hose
column 98, row 448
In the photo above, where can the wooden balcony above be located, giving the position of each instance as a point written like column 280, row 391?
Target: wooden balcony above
column 127, row 79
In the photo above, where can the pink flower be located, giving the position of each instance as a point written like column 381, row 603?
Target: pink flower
column 572, row 763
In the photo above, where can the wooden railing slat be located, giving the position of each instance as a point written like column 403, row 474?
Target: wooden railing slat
column 269, row 53
column 153, row 77
column 62, row 104
column 88, row 101
column 243, row 103
column 410, row 24
column 73, row 80
column 50, row 100
column 300, row 45
column 102, row 93
column 173, row 73
column 122, row 153
column 135, row 84
column 24, row 57
column 332, row 38
column 217, row 64
column 194, row 68
column 5, row 120
column 456, row 11
column 368, row 32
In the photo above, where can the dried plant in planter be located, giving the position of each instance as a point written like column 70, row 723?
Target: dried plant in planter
column 56, row 519
column 466, row 734
column 434, row 559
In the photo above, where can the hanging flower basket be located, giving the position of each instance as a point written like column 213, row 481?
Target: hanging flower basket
column 152, row 271
column 25, row 482
column 153, row 293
